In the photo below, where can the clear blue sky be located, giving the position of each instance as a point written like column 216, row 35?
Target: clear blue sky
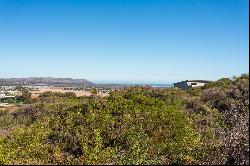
column 124, row 40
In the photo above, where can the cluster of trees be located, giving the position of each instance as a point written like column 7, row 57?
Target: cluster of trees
column 24, row 98
column 206, row 125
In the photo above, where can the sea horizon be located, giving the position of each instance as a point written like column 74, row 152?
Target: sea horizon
column 156, row 84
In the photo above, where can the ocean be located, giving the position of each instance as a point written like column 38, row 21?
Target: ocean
column 153, row 85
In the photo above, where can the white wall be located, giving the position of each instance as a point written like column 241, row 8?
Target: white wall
column 197, row 84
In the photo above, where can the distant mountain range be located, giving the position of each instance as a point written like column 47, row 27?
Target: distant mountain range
column 64, row 82
column 50, row 81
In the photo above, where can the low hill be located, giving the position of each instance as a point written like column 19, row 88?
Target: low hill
column 46, row 81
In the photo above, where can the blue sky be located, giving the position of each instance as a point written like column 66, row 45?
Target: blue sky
column 158, row 41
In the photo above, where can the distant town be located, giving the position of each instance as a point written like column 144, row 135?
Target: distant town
column 9, row 95
column 11, row 90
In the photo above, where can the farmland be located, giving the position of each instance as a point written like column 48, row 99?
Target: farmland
column 36, row 93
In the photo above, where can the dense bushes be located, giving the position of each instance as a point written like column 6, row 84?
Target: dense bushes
column 229, row 100
column 207, row 125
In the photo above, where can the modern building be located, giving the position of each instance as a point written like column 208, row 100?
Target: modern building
column 190, row 84
column 2, row 95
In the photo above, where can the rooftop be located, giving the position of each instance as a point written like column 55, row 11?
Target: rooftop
column 201, row 81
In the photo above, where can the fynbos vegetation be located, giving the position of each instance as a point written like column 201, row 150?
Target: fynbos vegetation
column 205, row 125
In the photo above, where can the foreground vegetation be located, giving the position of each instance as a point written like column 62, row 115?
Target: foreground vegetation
column 207, row 125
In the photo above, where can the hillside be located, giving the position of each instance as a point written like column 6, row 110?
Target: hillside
column 47, row 81
column 136, row 125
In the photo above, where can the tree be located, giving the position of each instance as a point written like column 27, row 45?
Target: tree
column 70, row 94
column 93, row 91
column 26, row 96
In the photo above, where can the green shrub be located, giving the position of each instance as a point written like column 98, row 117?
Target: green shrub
column 207, row 125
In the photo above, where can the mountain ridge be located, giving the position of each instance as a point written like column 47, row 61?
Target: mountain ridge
column 46, row 80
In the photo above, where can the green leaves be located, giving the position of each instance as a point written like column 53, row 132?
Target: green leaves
column 136, row 125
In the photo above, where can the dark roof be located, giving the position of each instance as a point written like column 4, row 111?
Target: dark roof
column 201, row 81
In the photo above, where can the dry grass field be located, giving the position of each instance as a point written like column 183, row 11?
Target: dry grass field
column 61, row 90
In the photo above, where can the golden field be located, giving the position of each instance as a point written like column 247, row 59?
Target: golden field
column 78, row 93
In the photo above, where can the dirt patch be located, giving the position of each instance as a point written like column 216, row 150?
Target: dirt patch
column 61, row 90
column 5, row 132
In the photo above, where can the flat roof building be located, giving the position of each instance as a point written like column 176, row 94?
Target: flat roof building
column 190, row 84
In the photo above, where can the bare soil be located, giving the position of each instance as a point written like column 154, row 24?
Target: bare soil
column 61, row 90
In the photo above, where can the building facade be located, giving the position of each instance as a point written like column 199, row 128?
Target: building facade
column 190, row 84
